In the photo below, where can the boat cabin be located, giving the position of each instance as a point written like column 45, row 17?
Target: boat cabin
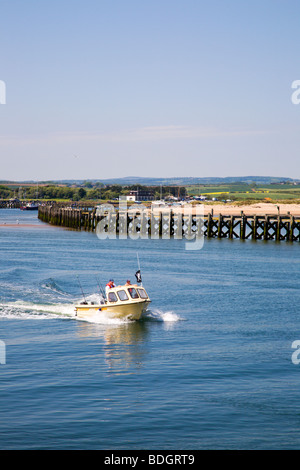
column 126, row 293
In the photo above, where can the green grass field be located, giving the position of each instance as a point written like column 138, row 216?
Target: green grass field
column 244, row 192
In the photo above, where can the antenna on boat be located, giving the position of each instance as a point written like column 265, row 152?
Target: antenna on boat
column 81, row 289
column 138, row 260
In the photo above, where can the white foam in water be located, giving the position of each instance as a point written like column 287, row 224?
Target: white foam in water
column 104, row 319
column 28, row 310
column 159, row 315
column 170, row 317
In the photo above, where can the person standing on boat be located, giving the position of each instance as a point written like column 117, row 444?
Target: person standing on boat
column 109, row 285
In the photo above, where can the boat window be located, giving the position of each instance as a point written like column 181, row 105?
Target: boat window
column 133, row 293
column 143, row 294
column 112, row 297
column 122, row 295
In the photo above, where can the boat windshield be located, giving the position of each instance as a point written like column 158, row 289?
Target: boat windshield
column 112, row 297
column 133, row 293
column 122, row 295
column 142, row 293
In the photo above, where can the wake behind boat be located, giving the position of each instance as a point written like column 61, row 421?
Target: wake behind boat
column 125, row 301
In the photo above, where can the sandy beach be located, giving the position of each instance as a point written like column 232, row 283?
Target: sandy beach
column 253, row 209
column 236, row 209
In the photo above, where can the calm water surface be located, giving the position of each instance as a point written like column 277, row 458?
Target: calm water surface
column 208, row 367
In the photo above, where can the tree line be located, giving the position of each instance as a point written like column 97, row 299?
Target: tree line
column 87, row 192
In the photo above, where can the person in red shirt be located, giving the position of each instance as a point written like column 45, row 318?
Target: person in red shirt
column 109, row 285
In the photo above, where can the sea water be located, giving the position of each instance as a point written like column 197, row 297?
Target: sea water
column 209, row 366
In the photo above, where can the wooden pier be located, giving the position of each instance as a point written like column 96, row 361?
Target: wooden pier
column 173, row 224
column 10, row 204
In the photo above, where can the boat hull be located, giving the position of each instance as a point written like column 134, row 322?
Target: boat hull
column 130, row 311
column 29, row 208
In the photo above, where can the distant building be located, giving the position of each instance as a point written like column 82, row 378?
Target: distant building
column 140, row 195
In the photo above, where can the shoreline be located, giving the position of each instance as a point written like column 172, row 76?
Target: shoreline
column 21, row 225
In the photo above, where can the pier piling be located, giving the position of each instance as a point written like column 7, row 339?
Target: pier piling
column 278, row 227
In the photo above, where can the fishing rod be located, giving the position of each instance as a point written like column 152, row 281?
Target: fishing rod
column 101, row 291
column 81, row 288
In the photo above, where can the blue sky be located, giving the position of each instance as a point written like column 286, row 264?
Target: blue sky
column 110, row 88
